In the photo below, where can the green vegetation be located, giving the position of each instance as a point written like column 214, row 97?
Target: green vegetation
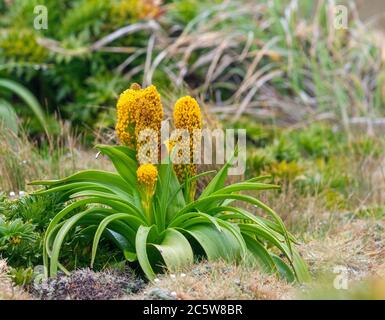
column 154, row 218
column 267, row 59
column 310, row 97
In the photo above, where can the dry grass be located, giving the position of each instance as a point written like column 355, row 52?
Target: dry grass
column 358, row 245
column 21, row 161
column 220, row 281
column 7, row 290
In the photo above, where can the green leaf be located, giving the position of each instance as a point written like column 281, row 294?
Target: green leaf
column 65, row 228
column 168, row 192
column 135, row 222
column 218, row 181
column 260, row 254
column 124, row 164
column 214, row 243
column 28, row 98
column 175, row 250
column 141, row 251
column 300, row 268
column 243, row 186
column 283, row 269
column 201, row 203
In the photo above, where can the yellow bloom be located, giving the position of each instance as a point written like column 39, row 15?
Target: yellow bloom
column 147, row 175
column 137, row 110
column 126, row 109
column 15, row 240
column 149, row 115
column 187, row 115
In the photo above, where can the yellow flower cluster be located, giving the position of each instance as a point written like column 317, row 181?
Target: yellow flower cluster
column 138, row 109
column 187, row 115
column 15, row 240
column 147, row 175
column 126, row 114
column 149, row 115
column 141, row 109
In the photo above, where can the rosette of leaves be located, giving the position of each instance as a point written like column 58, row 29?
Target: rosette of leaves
column 19, row 242
column 176, row 229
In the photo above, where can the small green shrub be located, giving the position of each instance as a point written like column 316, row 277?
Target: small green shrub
column 317, row 141
column 19, row 242
column 36, row 209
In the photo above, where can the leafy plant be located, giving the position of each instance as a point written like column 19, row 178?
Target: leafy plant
column 36, row 209
column 150, row 212
column 19, row 242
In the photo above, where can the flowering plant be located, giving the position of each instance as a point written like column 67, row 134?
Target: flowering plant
column 145, row 210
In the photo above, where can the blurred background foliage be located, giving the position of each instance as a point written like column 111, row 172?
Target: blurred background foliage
column 277, row 61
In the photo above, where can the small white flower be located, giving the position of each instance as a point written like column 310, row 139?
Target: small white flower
column 173, row 294
column 12, row 194
column 172, row 276
column 156, row 280
column 182, row 275
column 21, row 193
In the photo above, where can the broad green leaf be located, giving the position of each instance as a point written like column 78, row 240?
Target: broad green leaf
column 175, row 250
column 300, row 268
column 168, row 192
column 141, row 251
column 242, row 186
column 65, row 228
column 124, row 164
column 103, row 225
column 260, row 254
column 218, row 181
column 283, row 269
column 214, row 243
column 201, row 203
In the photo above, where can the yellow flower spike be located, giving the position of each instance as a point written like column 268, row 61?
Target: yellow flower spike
column 137, row 110
column 149, row 115
column 147, row 175
column 187, row 115
column 126, row 114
